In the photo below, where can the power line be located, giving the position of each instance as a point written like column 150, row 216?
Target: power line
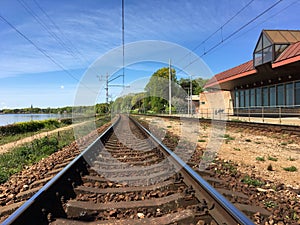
column 219, row 29
column 273, row 15
column 41, row 50
column 47, row 29
column 61, row 32
column 232, row 34
column 123, row 40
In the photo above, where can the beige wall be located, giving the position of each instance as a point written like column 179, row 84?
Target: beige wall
column 212, row 102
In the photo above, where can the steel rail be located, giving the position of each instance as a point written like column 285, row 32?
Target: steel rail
column 17, row 216
column 240, row 217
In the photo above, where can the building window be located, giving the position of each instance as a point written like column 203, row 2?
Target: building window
column 247, row 97
column 237, row 97
column 258, row 96
column 263, row 51
column 242, row 98
column 272, row 96
column 265, row 95
column 297, row 93
column 289, row 94
column 252, row 97
column 280, row 95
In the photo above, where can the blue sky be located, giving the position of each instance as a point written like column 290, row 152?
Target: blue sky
column 76, row 33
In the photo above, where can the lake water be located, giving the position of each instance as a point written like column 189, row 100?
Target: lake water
column 6, row 119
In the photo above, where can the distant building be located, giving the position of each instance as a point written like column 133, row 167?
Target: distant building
column 268, row 84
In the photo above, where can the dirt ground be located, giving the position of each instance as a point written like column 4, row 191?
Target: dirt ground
column 263, row 154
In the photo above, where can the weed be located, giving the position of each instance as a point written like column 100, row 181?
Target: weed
column 232, row 169
column 257, row 142
column 290, row 169
column 291, row 159
column 270, row 204
column 259, row 158
column 169, row 126
column 283, row 143
column 236, row 149
column 228, row 137
column 255, row 182
column 201, row 140
column 272, row 158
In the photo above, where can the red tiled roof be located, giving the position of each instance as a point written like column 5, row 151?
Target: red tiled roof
column 233, row 73
column 291, row 54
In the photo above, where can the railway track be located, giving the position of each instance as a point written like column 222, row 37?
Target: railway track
column 127, row 177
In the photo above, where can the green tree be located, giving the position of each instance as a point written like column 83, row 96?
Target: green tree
column 158, row 89
column 197, row 85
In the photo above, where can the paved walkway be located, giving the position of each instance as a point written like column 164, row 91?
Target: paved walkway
column 286, row 120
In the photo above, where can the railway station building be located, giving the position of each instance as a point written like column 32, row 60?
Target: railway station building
column 268, row 84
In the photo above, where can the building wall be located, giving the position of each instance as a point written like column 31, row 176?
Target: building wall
column 216, row 102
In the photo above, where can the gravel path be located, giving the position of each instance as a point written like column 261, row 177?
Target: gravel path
column 6, row 147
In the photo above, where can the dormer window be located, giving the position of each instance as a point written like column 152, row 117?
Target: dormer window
column 272, row 43
column 263, row 52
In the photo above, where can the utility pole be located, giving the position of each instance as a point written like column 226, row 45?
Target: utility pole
column 170, row 88
column 191, row 93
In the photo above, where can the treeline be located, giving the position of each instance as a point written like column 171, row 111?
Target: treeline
column 155, row 98
column 96, row 109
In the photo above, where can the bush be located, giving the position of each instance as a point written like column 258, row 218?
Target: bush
column 31, row 126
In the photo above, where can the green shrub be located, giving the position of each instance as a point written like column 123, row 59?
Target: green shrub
column 272, row 158
column 255, row 182
column 290, row 169
column 260, row 158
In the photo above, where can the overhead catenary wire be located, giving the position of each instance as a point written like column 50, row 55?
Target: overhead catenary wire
column 41, row 50
column 220, row 29
column 268, row 18
column 232, row 34
column 84, row 59
column 46, row 28
column 123, row 42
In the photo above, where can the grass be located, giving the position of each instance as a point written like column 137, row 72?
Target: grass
column 272, row 158
column 169, row 126
column 236, row 149
column 15, row 160
column 254, row 182
column 259, row 158
column 201, row 140
column 283, row 143
column 290, row 169
column 270, row 204
column 15, row 137
column 30, row 153
column 228, row 138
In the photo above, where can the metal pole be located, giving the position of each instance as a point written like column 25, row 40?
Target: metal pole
column 170, row 90
column 188, row 101
column 280, row 115
column 191, row 92
column 106, row 88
